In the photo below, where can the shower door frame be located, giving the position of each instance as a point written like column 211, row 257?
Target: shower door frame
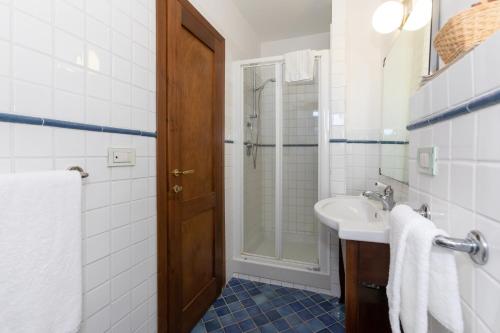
column 239, row 256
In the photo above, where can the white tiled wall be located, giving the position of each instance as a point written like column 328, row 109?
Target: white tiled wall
column 90, row 61
column 463, row 195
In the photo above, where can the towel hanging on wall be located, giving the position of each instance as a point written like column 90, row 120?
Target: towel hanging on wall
column 40, row 252
column 422, row 278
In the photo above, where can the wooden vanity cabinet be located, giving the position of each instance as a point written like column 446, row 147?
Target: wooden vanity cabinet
column 367, row 271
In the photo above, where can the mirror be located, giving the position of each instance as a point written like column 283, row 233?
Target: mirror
column 408, row 60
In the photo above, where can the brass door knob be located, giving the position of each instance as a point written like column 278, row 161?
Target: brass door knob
column 177, row 172
column 177, row 188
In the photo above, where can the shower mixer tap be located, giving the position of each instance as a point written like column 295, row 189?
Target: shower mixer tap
column 249, row 146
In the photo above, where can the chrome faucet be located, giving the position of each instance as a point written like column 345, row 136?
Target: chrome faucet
column 386, row 198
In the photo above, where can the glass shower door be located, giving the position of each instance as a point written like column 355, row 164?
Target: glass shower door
column 259, row 161
column 300, row 170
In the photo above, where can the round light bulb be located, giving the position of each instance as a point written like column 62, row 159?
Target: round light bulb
column 388, row 17
column 420, row 15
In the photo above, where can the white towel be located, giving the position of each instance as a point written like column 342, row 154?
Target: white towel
column 423, row 277
column 402, row 218
column 444, row 295
column 40, row 252
column 299, row 66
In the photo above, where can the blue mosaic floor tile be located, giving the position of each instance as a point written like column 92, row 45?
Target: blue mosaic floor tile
column 253, row 307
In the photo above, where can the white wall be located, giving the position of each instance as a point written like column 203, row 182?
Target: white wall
column 365, row 52
column 279, row 47
column 241, row 41
column 453, row 7
column 91, row 62
column 462, row 196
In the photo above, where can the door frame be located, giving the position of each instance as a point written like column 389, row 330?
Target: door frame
column 167, row 18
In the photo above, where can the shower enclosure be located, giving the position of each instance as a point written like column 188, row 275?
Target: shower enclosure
column 281, row 170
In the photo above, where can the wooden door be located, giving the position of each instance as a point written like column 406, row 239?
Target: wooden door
column 190, row 165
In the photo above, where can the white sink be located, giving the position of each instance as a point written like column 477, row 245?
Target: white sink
column 355, row 218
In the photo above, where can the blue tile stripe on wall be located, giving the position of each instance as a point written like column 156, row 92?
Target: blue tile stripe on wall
column 383, row 142
column 19, row 119
column 473, row 105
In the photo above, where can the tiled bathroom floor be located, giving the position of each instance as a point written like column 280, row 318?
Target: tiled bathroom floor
column 247, row 306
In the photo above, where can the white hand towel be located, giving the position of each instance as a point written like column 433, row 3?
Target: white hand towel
column 402, row 218
column 40, row 252
column 299, row 66
column 444, row 295
column 415, row 277
column 422, row 277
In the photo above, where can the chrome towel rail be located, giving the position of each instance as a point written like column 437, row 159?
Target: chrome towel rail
column 475, row 245
column 80, row 170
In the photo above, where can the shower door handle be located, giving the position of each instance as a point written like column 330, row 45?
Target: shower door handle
column 178, row 173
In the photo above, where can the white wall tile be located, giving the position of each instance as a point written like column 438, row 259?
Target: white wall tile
column 487, row 182
column 68, row 77
column 96, row 273
column 98, row 85
column 120, row 308
column 98, row 59
column 5, row 140
column 69, row 106
column 5, row 92
column 463, row 137
column 492, row 230
column 462, row 185
column 120, row 215
column 69, row 18
column 98, row 33
column 96, row 299
column 97, row 111
column 486, row 67
column 32, row 66
column 120, row 261
column 69, row 142
column 4, row 58
column 68, row 48
column 487, row 301
column 5, row 20
column 100, row 9
column 96, row 221
column 34, row 8
column 440, row 93
column 32, row 99
column 488, row 132
column 98, row 323
column 461, row 83
column 32, row 33
column 25, row 146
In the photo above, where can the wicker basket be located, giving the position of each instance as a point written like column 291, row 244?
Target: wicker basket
column 467, row 29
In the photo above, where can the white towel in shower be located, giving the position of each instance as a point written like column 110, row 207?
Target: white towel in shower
column 422, row 277
column 40, row 252
column 299, row 66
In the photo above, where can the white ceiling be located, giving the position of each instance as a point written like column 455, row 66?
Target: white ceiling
column 281, row 19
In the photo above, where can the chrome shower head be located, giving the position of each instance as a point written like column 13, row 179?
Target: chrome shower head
column 263, row 85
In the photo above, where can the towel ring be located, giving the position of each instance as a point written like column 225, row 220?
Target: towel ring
column 80, row 170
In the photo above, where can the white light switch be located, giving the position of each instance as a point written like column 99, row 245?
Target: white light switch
column 427, row 160
column 121, row 157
